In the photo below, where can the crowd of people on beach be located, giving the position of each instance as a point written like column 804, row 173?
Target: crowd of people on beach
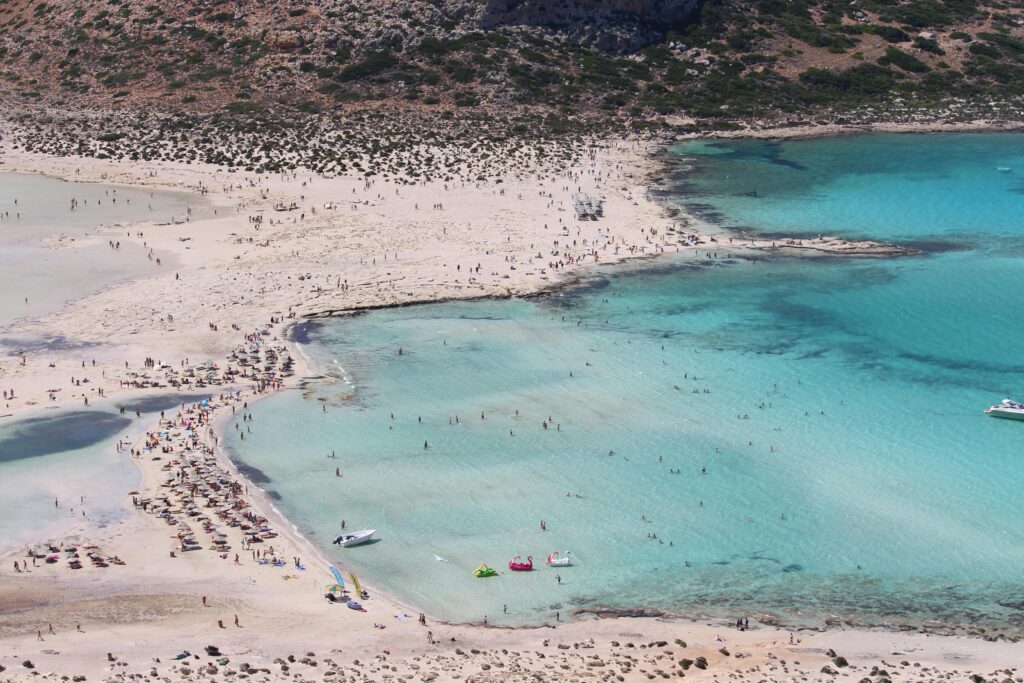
column 71, row 552
column 197, row 489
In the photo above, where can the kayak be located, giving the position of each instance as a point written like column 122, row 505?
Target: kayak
column 352, row 604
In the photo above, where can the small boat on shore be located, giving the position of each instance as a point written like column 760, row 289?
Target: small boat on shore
column 517, row 565
column 1008, row 409
column 354, row 538
column 484, row 571
column 352, row 604
column 557, row 560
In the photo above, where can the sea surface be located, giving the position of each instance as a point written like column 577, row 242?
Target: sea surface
column 874, row 186
column 45, row 257
column 728, row 433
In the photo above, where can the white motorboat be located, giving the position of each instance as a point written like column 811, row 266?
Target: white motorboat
column 1008, row 409
column 557, row 560
column 354, row 538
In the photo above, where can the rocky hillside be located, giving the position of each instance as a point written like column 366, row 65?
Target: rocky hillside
column 610, row 25
column 720, row 60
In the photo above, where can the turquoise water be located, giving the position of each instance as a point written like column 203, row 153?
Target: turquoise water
column 824, row 415
column 902, row 187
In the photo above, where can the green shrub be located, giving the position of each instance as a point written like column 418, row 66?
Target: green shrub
column 1007, row 44
column 242, row 107
column 890, row 34
column 905, row 61
column 985, row 50
column 463, row 74
column 928, row 46
column 374, row 64
column 866, row 80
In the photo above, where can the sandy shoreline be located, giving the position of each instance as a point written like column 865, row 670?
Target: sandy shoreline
column 262, row 502
column 772, row 131
column 384, row 248
column 345, row 252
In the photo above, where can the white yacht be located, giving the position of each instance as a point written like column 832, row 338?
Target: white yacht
column 1008, row 409
column 354, row 538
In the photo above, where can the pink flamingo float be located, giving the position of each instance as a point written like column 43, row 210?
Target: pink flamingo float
column 517, row 565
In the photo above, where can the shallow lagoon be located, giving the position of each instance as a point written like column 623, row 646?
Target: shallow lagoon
column 64, row 455
column 36, row 211
column 824, row 415
column 70, row 454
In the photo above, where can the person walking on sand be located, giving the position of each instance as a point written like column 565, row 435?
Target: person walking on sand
column 430, row 637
